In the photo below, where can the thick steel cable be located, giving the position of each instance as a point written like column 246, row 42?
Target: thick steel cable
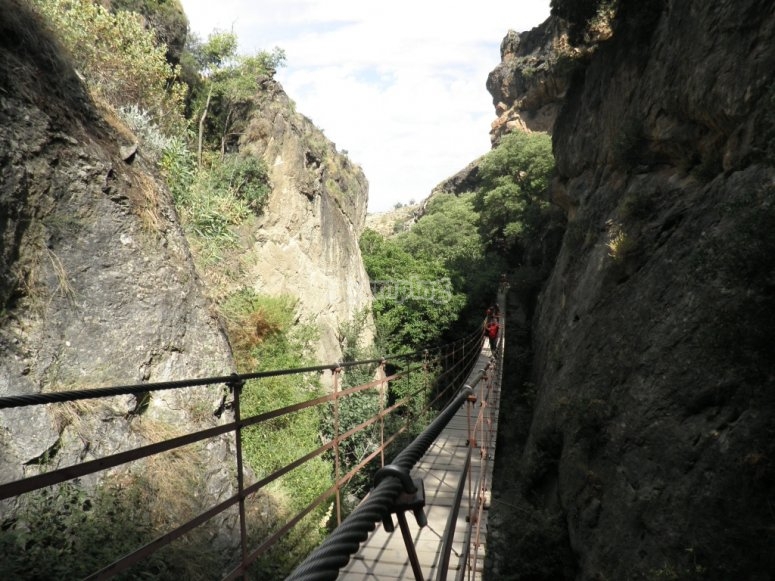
column 324, row 563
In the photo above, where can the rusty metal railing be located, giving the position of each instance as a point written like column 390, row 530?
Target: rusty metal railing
column 455, row 358
column 395, row 492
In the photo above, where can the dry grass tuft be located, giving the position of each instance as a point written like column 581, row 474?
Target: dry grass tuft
column 149, row 210
column 63, row 285
column 169, row 482
column 76, row 414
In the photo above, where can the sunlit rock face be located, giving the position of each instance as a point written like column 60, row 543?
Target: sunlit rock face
column 528, row 86
column 306, row 243
column 649, row 448
column 97, row 284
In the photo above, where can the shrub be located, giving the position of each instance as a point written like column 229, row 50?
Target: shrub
column 266, row 335
column 119, row 59
column 245, row 177
column 178, row 165
column 142, row 125
column 67, row 532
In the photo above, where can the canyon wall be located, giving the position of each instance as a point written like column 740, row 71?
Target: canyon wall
column 648, row 448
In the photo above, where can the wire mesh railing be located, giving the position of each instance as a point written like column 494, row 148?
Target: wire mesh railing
column 451, row 361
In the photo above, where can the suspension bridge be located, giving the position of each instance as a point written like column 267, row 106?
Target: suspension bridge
column 441, row 479
column 456, row 472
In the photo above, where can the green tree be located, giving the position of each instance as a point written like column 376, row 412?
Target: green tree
column 450, row 231
column 414, row 302
column 165, row 17
column 512, row 197
column 229, row 82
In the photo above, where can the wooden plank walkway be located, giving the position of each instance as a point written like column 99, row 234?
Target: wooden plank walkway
column 383, row 556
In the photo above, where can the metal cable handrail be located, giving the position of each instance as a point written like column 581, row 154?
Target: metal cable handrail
column 325, row 562
column 139, row 388
column 463, row 354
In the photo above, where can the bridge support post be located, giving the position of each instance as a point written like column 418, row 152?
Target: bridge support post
column 412, row 498
column 410, row 549
column 235, row 385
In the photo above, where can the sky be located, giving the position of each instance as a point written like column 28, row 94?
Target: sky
column 398, row 85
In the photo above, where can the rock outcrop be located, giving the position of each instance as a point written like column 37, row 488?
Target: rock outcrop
column 97, row 286
column 651, row 451
column 527, row 87
column 311, row 224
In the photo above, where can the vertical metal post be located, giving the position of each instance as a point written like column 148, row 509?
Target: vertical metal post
column 425, row 376
column 337, row 468
column 382, row 405
column 483, row 402
column 410, row 549
column 236, row 385
column 471, row 442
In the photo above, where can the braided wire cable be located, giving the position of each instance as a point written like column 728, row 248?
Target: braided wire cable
column 334, row 553
column 324, row 563
column 14, row 401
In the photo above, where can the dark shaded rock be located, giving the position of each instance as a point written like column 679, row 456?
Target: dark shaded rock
column 652, row 435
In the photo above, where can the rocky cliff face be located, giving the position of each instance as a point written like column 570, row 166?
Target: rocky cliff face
column 97, row 286
column 650, row 451
column 306, row 241
column 526, row 87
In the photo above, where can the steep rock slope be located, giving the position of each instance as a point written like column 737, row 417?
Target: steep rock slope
column 306, row 241
column 528, row 87
column 97, row 286
column 651, row 449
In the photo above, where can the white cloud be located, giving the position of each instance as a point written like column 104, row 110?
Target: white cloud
column 400, row 86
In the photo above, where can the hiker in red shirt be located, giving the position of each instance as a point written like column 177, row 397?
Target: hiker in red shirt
column 492, row 334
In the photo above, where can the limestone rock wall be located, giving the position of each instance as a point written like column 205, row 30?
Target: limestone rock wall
column 97, row 286
column 527, row 86
column 306, row 242
column 650, row 452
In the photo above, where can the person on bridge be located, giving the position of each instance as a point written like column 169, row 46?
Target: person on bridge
column 492, row 334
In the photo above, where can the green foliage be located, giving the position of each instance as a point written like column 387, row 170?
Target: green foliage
column 65, row 532
column 165, row 17
column 416, row 387
column 414, row 302
column 265, row 336
column 213, row 201
column 153, row 139
column 178, row 166
column 512, row 196
column 350, row 412
column 120, row 60
column 449, row 230
column 245, row 177
column 263, row 325
column 354, row 409
column 229, row 82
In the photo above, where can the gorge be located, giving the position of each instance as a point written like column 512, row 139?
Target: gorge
column 640, row 373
